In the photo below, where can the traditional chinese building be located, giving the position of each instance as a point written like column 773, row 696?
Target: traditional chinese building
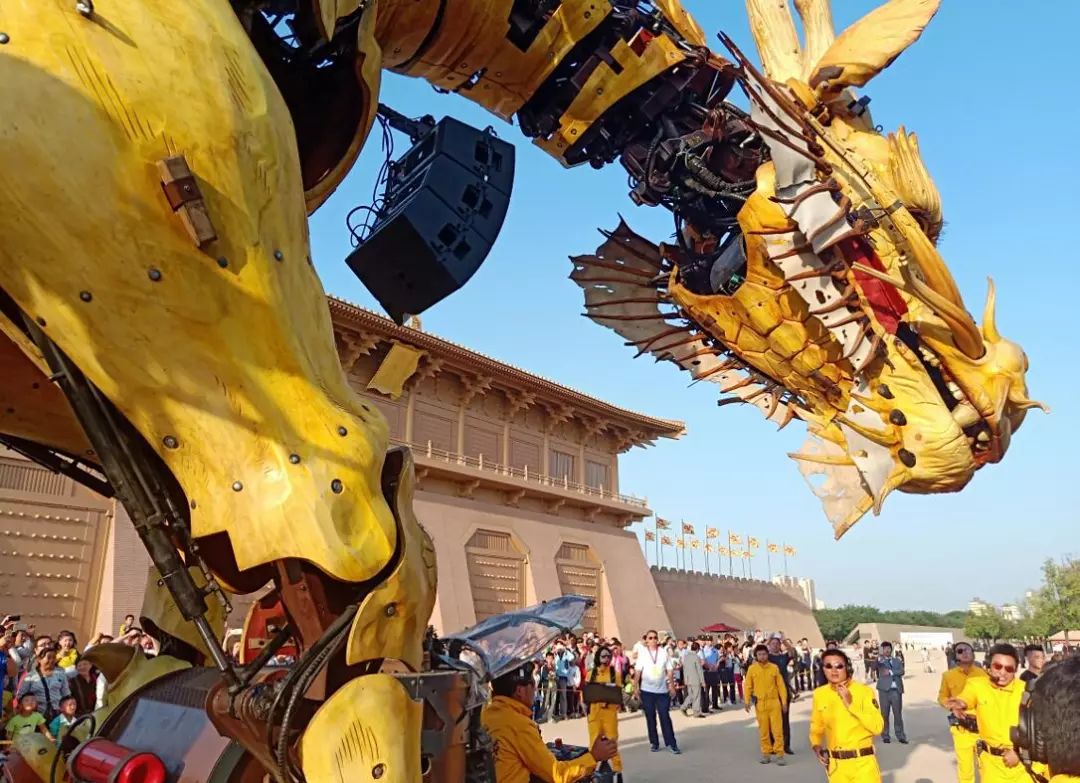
column 518, row 485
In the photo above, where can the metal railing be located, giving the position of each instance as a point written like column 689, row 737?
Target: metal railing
column 481, row 463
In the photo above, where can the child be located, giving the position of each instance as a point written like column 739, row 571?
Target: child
column 59, row 725
column 28, row 718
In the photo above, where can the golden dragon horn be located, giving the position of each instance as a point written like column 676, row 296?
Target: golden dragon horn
column 965, row 333
column 989, row 318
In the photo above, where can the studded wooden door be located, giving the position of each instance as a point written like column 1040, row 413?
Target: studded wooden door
column 496, row 573
column 579, row 574
column 52, row 545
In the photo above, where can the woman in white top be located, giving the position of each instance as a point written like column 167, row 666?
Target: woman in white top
column 655, row 687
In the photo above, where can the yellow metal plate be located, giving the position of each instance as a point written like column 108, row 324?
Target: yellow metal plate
column 230, row 351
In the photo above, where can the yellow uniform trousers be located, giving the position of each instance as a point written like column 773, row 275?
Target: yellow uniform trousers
column 604, row 719
column 993, row 770
column 860, row 770
column 964, row 744
column 770, row 721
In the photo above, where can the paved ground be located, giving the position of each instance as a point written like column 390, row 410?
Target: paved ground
column 724, row 746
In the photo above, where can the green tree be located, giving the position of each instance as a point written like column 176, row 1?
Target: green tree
column 987, row 625
column 838, row 623
column 1056, row 606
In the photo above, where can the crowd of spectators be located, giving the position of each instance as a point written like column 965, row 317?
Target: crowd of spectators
column 721, row 660
column 45, row 679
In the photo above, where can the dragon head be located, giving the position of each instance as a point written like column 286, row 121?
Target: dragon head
column 947, row 394
column 830, row 301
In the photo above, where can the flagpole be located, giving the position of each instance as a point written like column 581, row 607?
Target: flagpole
column 785, row 561
column 768, row 558
column 750, row 560
column 656, row 530
column 730, row 567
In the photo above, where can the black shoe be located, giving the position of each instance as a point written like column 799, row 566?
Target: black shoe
column 902, row 742
column 654, row 748
column 886, row 740
column 789, row 751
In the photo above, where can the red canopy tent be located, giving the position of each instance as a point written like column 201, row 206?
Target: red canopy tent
column 720, row 628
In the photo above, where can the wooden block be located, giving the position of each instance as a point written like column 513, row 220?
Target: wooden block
column 182, row 191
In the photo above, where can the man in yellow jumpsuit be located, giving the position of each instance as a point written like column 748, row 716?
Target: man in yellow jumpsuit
column 995, row 700
column 520, row 753
column 844, row 720
column 965, row 732
column 764, row 686
column 1056, row 721
column 604, row 717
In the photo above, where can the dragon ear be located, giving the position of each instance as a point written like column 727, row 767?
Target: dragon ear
column 871, row 44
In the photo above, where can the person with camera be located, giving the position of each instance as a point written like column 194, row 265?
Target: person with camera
column 1048, row 731
column 603, row 698
column 844, row 719
column 995, row 700
column 520, row 753
column 964, row 728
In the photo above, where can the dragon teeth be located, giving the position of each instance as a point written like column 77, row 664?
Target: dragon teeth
column 965, row 415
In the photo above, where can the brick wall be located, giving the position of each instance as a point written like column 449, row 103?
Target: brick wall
column 694, row 600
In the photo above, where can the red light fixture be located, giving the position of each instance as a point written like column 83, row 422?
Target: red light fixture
column 99, row 760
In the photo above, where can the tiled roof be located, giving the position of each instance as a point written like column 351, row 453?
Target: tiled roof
column 342, row 310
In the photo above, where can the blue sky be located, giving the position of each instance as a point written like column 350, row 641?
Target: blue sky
column 987, row 91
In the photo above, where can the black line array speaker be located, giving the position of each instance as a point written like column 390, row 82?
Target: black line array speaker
column 446, row 200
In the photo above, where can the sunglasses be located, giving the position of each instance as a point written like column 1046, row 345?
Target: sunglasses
column 651, row 638
column 998, row 667
column 964, row 651
column 605, row 657
column 836, row 666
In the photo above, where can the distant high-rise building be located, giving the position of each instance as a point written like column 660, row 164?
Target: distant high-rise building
column 804, row 585
column 979, row 606
column 1012, row 612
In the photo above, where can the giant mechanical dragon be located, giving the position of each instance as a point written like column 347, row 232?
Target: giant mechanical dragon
column 164, row 337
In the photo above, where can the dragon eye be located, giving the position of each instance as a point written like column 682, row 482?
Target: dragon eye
column 922, row 217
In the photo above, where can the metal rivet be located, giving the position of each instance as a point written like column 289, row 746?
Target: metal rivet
column 222, row 261
column 898, row 418
column 294, row 459
column 885, row 391
column 4, row 38
column 85, row 7
column 86, row 296
column 170, row 442
column 154, row 273
column 337, row 486
column 391, row 610
column 342, row 431
column 906, row 457
column 279, row 255
column 237, row 486
column 378, row 771
column 194, row 504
